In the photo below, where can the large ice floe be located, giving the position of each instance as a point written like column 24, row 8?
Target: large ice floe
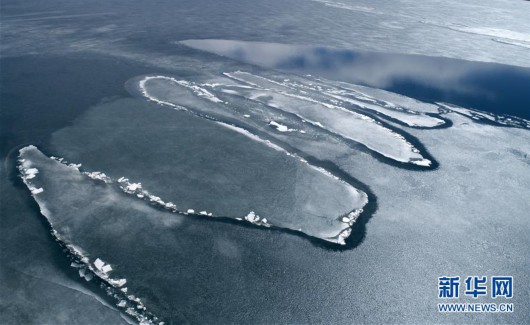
column 225, row 172
column 70, row 229
column 340, row 112
column 95, row 210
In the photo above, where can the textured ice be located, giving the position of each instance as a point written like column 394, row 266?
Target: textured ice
column 488, row 118
column 347, row 93
column 66, row 228
column 336, row 119
column 353, row 94
column 295, row 194
column 425, row 222
column 326, row 116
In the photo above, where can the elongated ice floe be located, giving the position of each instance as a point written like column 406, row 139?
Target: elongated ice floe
column 489, row 118
column 326, row 116
column 332, row 229
column 357, row 96
column 331, row 117
column 197, row 90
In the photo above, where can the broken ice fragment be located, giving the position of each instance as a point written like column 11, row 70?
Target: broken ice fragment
column 280, row 127
column 99, row 264
column 107, row 268
column 36, row 190
column 31, row 172
column 118, row 283
column 170, row 205
column 250, row 216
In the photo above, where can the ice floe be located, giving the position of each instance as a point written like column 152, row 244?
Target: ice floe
column 354, row 197
column 330, row 117
column 488, row 118
column 326, row 113
column 80, row 260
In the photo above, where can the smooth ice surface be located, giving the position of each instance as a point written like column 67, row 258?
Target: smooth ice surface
column 203, row 165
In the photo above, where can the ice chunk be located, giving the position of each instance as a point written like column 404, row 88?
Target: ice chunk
column 251, row 216
column 118, row 282
column 280, row 127
column 98, row 176
column 99, row 264
column 35, row 190
column 106, row 268
column 31, row 173
column 134, row 186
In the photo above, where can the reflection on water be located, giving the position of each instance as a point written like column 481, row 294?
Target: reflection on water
column 479, row 85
